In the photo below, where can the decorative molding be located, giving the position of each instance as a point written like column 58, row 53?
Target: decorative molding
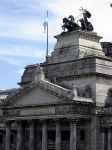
column 83, row 76
column 11, row 112
column 104, row 111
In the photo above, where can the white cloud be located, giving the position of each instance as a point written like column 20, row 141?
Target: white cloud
column 15, row 51
column 19, row 57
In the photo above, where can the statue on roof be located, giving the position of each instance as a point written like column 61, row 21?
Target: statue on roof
column 69, row 24
column 85, row 24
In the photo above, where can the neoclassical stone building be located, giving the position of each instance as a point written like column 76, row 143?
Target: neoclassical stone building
column 64, row 104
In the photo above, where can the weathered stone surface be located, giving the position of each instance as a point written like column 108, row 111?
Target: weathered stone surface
column 74, row 45
column 77, row 60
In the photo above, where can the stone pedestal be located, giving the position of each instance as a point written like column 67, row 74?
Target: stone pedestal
column 74, row 45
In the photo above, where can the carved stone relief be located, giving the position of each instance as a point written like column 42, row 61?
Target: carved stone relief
column 110, row 92
column 85, row 92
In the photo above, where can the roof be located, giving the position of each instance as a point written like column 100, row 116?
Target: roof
column 9, row 96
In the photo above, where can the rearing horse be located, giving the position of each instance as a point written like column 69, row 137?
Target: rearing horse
column 70, row 25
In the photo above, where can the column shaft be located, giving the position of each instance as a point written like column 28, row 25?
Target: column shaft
column 109, row 139
column 95, row 133
column 31, row 136
column 44, row 136
column 8, row 136
column 58, row 136
column 73, row 135
column 19, row 136
column 105, row 139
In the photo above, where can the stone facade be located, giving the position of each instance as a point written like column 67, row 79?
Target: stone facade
column 62, row 104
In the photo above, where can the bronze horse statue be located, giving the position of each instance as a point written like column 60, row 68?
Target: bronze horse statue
column 70, row 24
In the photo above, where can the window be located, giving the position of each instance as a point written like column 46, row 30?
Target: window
column 51, row 135
column 65, row 135
column 1, row 138
column 82, row 135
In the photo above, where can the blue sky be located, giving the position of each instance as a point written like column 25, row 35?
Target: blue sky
column 22, row 37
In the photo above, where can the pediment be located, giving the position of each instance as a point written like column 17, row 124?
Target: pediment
column 34, row 97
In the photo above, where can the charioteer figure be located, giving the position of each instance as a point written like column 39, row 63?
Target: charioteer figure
column 85, row 24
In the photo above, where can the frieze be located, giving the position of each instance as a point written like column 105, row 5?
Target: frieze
column 72, row 110
column 56, row 110
column 11, row 112
column 37, row 111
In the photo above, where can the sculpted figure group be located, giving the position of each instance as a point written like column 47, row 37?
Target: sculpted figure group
column 70, row 24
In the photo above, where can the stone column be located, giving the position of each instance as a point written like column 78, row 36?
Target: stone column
column 44, row 135
column 109, row 139
column 105, row 139
column 19, row 135
column 31, row 135
column 8, row 136
column 73, row 134
column 95, row 133
column 58, row 136
column 102, row 140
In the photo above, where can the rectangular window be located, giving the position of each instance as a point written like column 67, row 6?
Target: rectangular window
column 82, row 135
column 65, row 135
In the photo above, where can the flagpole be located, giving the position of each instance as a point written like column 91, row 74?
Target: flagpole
column 47, row 48
column 47, row 36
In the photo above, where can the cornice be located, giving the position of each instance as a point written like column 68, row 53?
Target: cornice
column 74, row 60
column 60, row 103
column 87, row 75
